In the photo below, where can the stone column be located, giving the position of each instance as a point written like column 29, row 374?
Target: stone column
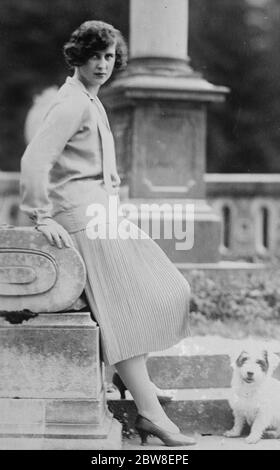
column 158, row 115
column 166, row 37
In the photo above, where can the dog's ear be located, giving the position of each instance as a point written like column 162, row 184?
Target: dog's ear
column 265, row 359
column 273, row 360
column 241, row 358
column 236, row 357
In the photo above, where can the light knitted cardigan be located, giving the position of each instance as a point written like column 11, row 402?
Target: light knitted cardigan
column 73, row 147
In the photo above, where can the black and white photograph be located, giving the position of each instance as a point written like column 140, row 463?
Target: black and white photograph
column 139, row 228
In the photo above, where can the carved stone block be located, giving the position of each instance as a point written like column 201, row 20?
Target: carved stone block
column 35, row 275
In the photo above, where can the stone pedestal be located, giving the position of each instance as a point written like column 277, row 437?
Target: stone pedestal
column 51, row 385
column 187, row 231
column 158, row 113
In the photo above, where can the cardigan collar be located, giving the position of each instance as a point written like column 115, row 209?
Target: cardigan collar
column 73, row 81
column 78, row 84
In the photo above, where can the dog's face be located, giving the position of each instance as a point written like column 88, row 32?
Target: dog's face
column 254, row 366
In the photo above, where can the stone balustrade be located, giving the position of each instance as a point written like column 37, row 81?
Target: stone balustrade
column 247, row 203
column 249, row 208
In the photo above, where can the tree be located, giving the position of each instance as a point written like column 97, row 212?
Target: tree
column 32, row 33
column 232, row 42
column 229, row 44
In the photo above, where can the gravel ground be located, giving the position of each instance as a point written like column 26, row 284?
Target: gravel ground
column 205, row 443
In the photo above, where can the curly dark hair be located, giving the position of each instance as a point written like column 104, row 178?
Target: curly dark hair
column 92, row 36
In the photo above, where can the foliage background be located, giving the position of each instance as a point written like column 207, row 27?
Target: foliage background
column 235, row 305
column 232, row 42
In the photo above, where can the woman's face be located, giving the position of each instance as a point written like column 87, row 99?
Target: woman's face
column 98, row 69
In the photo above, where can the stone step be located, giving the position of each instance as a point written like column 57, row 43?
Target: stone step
column 190, row 372
column 200, row 363
column 181, row 372
column 205, row 411
column 193, row 371
column 198, row 373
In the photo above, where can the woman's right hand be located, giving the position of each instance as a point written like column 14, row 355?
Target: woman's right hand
column 55, row 233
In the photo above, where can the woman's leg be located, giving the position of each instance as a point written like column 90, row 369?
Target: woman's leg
column 159, row 391
column 134, row 374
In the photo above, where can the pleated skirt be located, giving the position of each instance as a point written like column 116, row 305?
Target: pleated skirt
column 137, row 296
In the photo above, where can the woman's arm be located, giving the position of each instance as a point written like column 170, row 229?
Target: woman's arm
column 62, row 121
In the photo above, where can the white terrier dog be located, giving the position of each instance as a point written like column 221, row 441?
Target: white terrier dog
column 255, row 395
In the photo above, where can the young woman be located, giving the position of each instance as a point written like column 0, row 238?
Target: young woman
column 139, row 299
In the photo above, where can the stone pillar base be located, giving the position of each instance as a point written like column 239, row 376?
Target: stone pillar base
column 108, row 436
column 62, row 437
column 51, row 385
column 158, row 114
